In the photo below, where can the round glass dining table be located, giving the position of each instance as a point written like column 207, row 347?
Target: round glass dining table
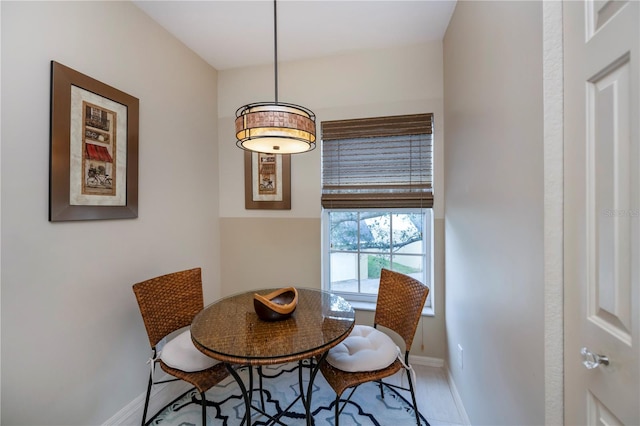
column 230, row 330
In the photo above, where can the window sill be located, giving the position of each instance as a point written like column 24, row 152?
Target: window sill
column 427, row 311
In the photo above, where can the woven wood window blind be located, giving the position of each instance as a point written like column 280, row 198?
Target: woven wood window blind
column 382, row 162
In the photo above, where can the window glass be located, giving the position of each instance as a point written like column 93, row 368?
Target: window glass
column 358, row 244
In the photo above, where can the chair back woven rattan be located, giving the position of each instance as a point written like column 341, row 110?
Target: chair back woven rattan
column 398, row 308
column 168, row 303
column 399, row 305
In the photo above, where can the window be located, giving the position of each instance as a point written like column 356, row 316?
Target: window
column 377, row 199
column 360, row 243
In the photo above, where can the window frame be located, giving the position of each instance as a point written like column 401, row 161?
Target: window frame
column 368, row 302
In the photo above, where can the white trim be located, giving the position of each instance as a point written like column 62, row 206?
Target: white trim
column 161, row 396
column 553, row 106
column 426, row 361
column 457, row 399
column 427, row 311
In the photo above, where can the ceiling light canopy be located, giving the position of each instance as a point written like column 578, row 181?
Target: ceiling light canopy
column 275, row 127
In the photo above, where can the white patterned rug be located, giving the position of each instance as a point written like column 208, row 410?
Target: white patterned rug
column 225, row 406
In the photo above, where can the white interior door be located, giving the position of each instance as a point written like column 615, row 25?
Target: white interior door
column 602, row 212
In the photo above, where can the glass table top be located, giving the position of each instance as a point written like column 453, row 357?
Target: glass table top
column 230, row 330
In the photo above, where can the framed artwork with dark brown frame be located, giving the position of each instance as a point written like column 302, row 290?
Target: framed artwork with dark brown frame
column 267, row 181
column 93, row 170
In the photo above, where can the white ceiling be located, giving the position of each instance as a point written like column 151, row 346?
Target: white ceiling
column 238, row 33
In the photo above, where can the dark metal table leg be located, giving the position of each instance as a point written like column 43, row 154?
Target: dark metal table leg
column 243, row 389
column 250, row 389
column 300, row 383
column 261, row 387
column 312, row 375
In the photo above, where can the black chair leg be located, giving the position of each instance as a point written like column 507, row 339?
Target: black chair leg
column 413, row 398
column 204, row 409
column 146, row 400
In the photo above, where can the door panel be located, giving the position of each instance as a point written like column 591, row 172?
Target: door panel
column 602, row 211
column 609, row 186
column 599, row 414
column 599, row 13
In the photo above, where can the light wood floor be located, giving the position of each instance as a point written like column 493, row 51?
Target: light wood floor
column 435, row 400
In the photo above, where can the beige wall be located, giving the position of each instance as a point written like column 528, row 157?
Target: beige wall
column 364, row 84
column 73, row 344
column 284, row 247
column 494, row 210
column 270, row 253
column 70, row 325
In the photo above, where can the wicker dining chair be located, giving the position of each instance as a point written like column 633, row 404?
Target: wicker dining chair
column 398, row 308
column 169, row 303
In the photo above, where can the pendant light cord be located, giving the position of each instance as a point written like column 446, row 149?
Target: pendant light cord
column 275, row 46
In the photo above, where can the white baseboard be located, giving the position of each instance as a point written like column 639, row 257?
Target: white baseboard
column 426, row 361
column 457, row 399
column 161, row 396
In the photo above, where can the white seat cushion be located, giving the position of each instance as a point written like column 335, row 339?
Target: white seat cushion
column 180, row 353
column 365, row 349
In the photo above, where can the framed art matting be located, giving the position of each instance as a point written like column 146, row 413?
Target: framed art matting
column 267, row 181
column 93, row 149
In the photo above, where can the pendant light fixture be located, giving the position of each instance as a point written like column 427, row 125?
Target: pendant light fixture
column 275, row 127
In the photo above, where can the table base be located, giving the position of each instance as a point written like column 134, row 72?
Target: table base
column 247, row 394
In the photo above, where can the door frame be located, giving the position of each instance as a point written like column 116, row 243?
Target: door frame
column 553, row 146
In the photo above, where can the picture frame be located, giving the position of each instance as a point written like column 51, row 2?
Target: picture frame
column 93, row 163
column 267, row 181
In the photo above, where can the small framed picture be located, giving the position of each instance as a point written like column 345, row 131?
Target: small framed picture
column 267, row 181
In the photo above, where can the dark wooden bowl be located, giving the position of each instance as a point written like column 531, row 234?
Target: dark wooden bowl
column 277, row 305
